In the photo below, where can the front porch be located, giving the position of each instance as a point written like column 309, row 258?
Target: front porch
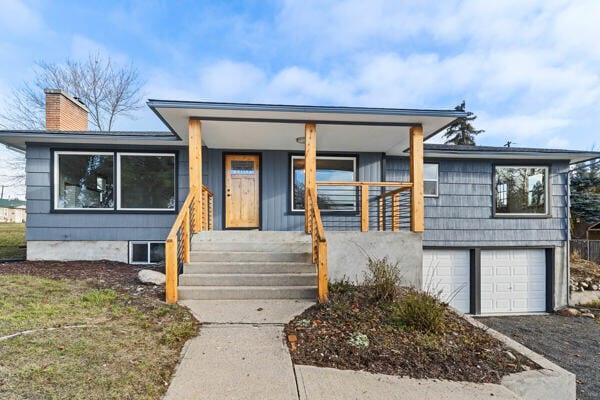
column 272, row 168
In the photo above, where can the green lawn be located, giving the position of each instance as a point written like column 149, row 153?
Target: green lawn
column 12, row 236
column 87, row 343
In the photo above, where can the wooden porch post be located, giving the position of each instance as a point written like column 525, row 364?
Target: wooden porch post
column 195, row 169
column 310, row 168
column 417, row 203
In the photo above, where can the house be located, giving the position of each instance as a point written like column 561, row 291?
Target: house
column 12, row 211
column 244, row 200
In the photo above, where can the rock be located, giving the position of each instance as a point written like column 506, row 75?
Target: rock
column 510, row 355
column 588, row 279
column 588, row 315
column 569, row 312
column 150, row 277
column 595, row 287
column 584, row 285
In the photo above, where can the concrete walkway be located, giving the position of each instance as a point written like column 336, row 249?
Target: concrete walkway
column 241, row 354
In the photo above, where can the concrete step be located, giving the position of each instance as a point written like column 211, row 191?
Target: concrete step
column 248, row 279
column 256, row 246
column 251, row 236
column 240, row 267
column 242, row 256
column 246, row 292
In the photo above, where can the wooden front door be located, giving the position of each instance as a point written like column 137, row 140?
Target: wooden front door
column 242, row 193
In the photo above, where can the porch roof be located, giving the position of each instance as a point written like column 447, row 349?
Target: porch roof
column 277, row 127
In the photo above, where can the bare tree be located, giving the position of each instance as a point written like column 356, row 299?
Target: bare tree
column 108, row 90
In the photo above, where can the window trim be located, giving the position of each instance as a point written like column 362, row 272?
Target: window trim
column 322, row 157
column 118, row 185
column 56, row 172
column 147, row 243
column 548, row 193
column 437, row 180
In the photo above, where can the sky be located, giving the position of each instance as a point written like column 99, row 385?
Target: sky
column 529, row 69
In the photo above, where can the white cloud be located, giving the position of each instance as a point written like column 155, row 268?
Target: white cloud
column 17, row 18
column 558, row 143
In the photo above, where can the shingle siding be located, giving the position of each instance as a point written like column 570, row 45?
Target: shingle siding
column 462, row 214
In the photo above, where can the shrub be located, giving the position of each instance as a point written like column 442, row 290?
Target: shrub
column 383, row 279
column 421, row 312
column 342, row 286
column 359, row 340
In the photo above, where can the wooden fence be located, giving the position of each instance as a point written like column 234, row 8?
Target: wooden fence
column 586, row 249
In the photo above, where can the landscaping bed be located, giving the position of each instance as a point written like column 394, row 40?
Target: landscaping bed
column 85, row 330
column 412, row 334
column 100, row 274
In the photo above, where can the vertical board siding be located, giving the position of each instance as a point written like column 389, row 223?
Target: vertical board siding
column 42, row 224
column 462, row 214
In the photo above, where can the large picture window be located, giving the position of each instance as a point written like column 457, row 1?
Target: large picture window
column 83, row 181
column 146, row 181
column 90, row 181
column 521, row 190
column 329, row 169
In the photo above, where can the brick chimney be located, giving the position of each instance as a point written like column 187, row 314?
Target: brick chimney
column 65, row 113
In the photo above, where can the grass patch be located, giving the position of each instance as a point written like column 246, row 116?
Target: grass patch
column 12, row 240
column 127, row 351
column 421, row 312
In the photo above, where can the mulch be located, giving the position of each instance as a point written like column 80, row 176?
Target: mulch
column 321, row 335
column 120, row 277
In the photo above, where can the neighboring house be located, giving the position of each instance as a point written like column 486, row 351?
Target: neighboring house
column 12, row 211
column 487, row 224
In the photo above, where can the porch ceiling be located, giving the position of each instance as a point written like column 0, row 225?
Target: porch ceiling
column 276, row 127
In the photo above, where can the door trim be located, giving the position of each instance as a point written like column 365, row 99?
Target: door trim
column 223, row 183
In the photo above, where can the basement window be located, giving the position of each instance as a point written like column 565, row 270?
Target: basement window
column 146, row 252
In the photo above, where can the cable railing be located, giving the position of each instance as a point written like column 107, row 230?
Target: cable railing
column 364, row 206
column 196, row 214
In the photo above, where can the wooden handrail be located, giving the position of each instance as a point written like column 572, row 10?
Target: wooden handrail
column 178, row 243
column 319, row 246
column 382, row 184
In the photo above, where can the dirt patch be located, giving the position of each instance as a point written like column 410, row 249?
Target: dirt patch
column 581, row 269
column 100, row 274
column 352, row 331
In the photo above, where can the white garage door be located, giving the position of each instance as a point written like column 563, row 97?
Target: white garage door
column 513, row 281
column 448, row 271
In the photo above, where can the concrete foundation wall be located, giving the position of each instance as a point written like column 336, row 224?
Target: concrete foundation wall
column 348, row 254
column 561, row 276
column 78, row 250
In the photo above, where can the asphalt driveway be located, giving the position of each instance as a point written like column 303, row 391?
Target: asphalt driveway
column 571, row 342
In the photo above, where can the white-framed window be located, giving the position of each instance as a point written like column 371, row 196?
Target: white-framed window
column 431, row 179
column 329, row 169
column 521, row 190
column 146, row 181
column 109, row 181
column 83, row 180
column 146, row 252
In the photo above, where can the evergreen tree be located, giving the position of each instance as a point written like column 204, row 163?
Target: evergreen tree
column 585, row 192
column 461, row 131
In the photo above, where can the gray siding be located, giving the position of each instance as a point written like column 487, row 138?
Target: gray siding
column 42, row 224
column 275, row 188
column 462, row 214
